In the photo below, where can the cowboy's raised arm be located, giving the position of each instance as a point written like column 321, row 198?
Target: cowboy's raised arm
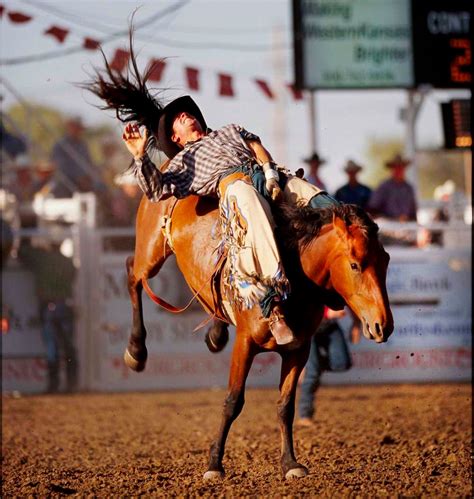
column 149, row 177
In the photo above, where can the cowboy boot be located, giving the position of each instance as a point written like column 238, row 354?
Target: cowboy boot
column 217, row 336
column 279, row 328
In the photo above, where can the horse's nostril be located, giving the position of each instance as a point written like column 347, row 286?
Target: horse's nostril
column 378, row 329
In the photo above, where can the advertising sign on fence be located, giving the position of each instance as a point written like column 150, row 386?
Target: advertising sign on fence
column 430, row 294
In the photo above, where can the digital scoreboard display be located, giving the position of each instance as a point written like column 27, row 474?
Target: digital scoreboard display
column 442, row 32
column 343, row 44
column 457, row 123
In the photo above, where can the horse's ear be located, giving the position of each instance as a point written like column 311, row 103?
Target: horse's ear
column 339, row 225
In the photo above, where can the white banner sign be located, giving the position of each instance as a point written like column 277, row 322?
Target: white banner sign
column 353, row 44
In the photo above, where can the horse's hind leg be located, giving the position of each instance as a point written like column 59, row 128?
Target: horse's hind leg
column 292, row 364
column 242, row 357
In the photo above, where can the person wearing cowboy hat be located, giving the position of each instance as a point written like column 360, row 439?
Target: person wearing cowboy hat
column 228, row 164
column 314, row 162
column 353, row 192
column 394, row 198
column 72, row 162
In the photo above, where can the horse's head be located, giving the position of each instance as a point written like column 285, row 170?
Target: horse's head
column 340, row 252
column 358, row 270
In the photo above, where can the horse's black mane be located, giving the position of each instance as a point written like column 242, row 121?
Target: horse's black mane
column 299, row 225
column 128, row 94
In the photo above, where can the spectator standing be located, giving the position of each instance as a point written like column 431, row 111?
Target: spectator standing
column 73, row 165
column 314, row 162
column 353, row 192
column 329, row 352
column 54, row 277
column 394, row 198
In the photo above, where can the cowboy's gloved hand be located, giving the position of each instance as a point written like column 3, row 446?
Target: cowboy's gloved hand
column 274, row 189
column 271, row 183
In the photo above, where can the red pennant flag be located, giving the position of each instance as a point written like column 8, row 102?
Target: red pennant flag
column 120, row 60
column 91, row 44
column 265, row 88
column 2, row 10
column 157, row 67
column 297, row 93
column 56, row 32
column 225, row 85
column 192, row 76
column 18, row 17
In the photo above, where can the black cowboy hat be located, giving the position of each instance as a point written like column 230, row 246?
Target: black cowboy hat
column 315, row 157
column 165, row 124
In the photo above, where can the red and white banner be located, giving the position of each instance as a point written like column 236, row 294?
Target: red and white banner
column 120, row 59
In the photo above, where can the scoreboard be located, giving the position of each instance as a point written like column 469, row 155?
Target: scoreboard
column 457, row 123
column 364, row 44
column 442, row 43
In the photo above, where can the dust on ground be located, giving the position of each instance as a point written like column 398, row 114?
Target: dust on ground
column 410, row 440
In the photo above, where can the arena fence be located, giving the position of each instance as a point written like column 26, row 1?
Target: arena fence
column 429, row 289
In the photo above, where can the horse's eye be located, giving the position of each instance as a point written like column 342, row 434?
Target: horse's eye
column 354, row 266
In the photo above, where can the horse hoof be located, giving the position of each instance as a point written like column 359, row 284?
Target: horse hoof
column 213, row 475
column 296, row 473
column 132, row 363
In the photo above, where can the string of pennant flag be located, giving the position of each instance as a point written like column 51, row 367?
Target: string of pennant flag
column 121, row 57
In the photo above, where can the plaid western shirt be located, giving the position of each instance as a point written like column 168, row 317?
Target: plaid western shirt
column 198, row 168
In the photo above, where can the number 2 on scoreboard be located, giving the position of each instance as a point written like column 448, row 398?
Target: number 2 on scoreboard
column 457, row 73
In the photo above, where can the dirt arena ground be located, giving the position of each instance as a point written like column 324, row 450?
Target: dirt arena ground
column 405, row 440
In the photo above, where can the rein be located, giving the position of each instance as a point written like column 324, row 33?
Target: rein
column 163, row 303
column 175, row 310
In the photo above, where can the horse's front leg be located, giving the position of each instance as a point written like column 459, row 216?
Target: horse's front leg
column 136, row 353
column 242, row 357
column 293, row 363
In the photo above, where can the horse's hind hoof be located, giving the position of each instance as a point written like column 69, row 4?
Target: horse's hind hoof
column 213, row 475
column 299, row 472
column 132, row 363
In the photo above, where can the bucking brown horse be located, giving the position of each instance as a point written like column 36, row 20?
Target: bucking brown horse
column 331, row 256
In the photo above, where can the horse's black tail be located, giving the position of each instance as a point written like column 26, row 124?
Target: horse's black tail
column 127, row 92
